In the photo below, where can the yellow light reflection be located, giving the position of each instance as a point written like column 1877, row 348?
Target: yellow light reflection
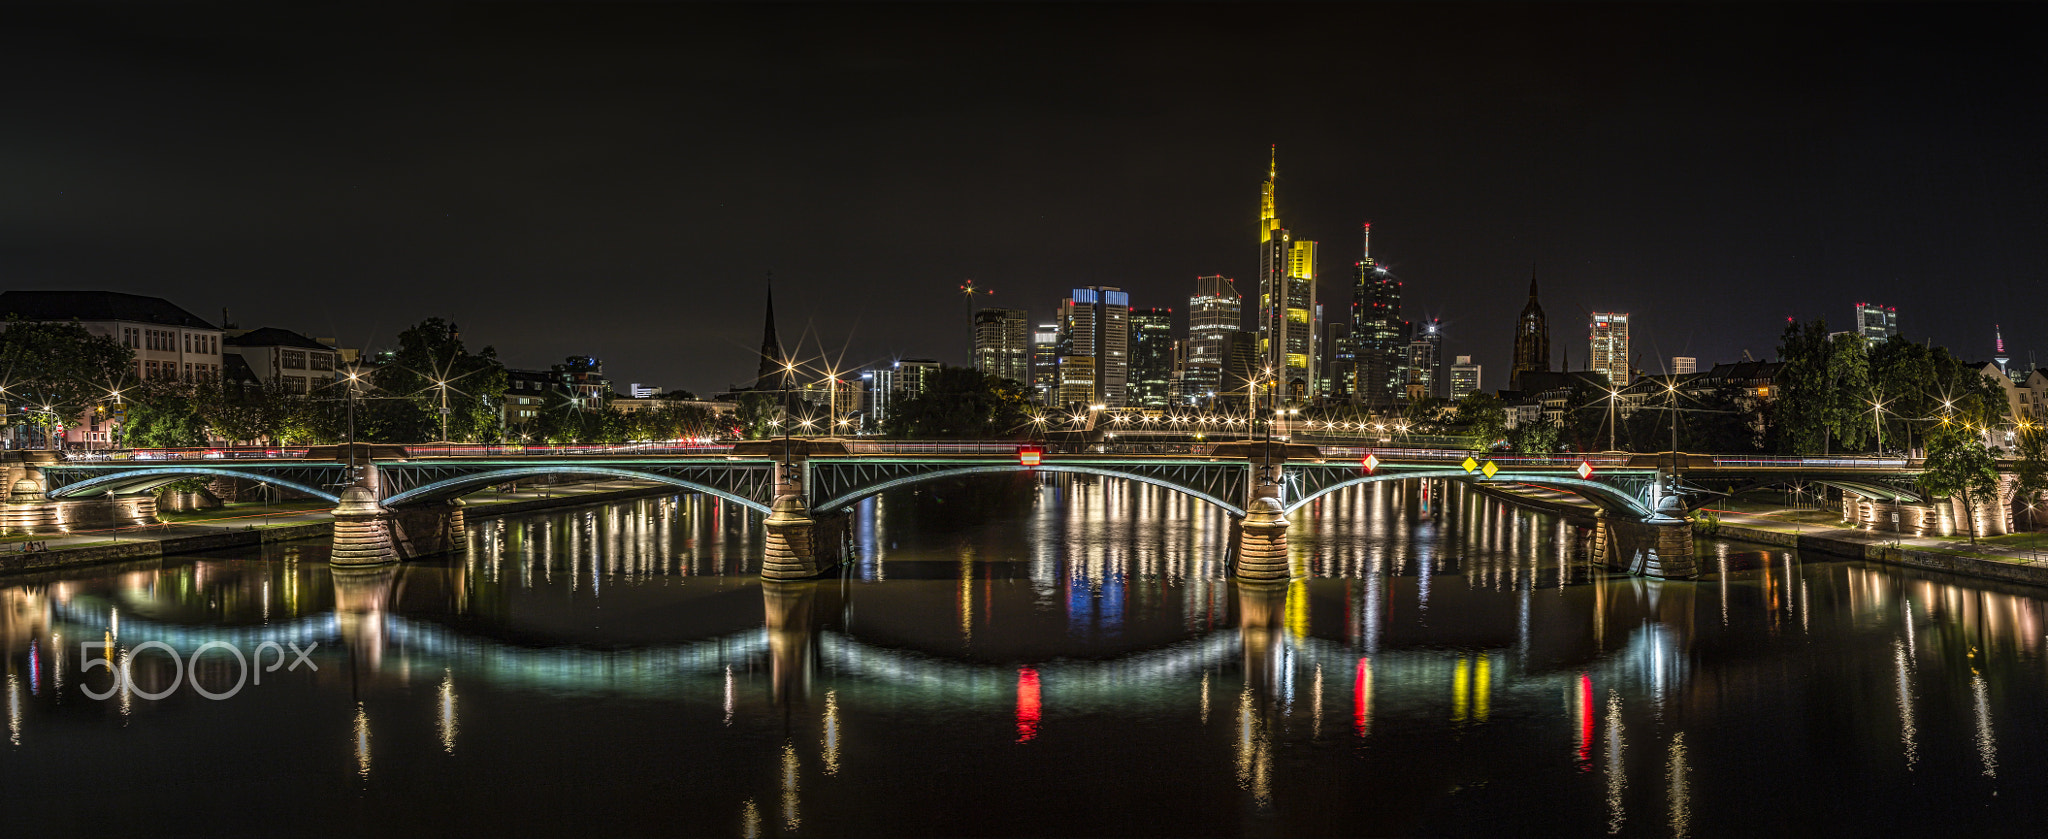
column 831, row 741
column 1482, row 689
column 1678, row 788
column 790, row 819
column 447, row 720
column 1617, row 780
column 362, row 742
column 1461, row 689
column 750, row 820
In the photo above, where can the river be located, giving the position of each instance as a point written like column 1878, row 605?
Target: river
column 1051, row 655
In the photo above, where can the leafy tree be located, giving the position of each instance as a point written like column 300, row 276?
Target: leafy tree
column 757, row 411
column 1958, row 464
column 58, row 371
column 1847, row 408
column 2031, row 464
column 163, row 415
column 431, row 363
column 1539, row 437
column 961, row 402
column 1484, row 417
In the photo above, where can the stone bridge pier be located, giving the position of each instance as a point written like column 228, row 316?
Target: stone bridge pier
column 1659, row 547
column 1261, row 544
column 368, row 533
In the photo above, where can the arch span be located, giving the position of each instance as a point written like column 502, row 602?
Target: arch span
column 464, row 484
column 1866, row 490
column 853, row 497
column 143, row 480
column 1606, row 496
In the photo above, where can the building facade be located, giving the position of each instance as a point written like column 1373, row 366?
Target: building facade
column 1215, row 313
column 1683, row 364
column 1379, row 337
column 1151, row 335
column 284, row 358
column 1532, row 341
column 1875, row 322
column 1045, row 363
column 1095, row 358
column 1425, row 363
column 1287, row 301
column 1465, row 378
column 1002, row 344
column 1609, row 346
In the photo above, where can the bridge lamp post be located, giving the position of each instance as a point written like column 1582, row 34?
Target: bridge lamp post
column 1877, row 419
column 1612, row 395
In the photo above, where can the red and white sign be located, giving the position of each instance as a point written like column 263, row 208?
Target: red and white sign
column 1585, row 470
column 1370, row 463
column 1029, row 456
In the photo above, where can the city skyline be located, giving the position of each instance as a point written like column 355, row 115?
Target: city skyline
column 618, row 181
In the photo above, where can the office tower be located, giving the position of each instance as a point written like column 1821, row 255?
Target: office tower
column 1095, row 347
column 1151, row 337
column 1532, row 340
column 914, row 376
column 1241, row 367
column 1683, row 364
column 1340, row 362
column 1214, row 314
column 1425, row 355
column 1464, row 378
column 1610, row 347
column 1379, row 338
column 1876, row 323
column 1045, row 363
column 1002, row 344
column 1287, row 295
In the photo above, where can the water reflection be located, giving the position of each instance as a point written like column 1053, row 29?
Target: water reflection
column 1056, row 629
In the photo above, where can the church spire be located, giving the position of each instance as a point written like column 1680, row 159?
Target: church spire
column 770, row 375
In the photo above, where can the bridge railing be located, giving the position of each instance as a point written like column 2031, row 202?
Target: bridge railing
column 1459, row 455
column 197, row 453
column 566, row 450
column 1752, row 461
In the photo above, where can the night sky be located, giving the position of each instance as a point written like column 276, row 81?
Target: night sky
column 617, row 180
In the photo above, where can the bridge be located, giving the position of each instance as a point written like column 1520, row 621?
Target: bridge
column 397, row 502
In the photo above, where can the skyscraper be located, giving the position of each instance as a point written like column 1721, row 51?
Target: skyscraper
column 1095, row 347
column 1340, row 362
column 1214, row 314
column 1002, row 344
column 1532, row 340
column 1151, row 358
column 1875, row 322
column 1379, row 337
column 1464, row 378
column 1045, row 363
column 1425, row 359
column 1287, row 299
column 1610, row 347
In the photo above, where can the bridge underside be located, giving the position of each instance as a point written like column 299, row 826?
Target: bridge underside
column 749, row 484
column 842, row 483
column 1624, row 493
column 319, row 480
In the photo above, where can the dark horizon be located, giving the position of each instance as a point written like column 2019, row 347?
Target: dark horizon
column 617, row 180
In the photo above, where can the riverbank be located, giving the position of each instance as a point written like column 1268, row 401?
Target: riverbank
column 1788, row 528
column 238, row 526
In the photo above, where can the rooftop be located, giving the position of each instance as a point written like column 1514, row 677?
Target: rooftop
column 95, row 306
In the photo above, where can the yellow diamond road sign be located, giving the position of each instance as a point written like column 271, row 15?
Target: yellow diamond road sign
column 1490, row 469
column 1470, row 464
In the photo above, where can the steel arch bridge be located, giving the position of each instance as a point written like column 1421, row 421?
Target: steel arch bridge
column 322, row 480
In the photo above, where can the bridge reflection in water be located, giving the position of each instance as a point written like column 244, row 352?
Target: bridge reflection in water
column 1450, row 620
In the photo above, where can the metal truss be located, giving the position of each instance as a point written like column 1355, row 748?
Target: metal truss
column 750, row 483
column 76, row 480
column 839, row 482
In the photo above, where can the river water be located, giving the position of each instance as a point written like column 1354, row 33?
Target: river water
column 1011, row 657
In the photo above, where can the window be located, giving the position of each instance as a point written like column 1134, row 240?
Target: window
column 322, row 361
column 294, row 359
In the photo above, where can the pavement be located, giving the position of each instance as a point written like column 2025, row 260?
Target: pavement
column 247, row 515
column 1778, row 520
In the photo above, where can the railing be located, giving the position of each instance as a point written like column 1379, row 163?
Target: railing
column 1459, row 455
column 215, row 453
column 567, row 450
column 1813, row 462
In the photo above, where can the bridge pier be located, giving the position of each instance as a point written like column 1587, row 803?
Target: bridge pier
column 362, row 530
column 1662, row 549
column 1262, row 554
column 799, row 545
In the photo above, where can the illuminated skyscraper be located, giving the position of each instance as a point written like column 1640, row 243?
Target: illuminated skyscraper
column 1379, row 338
column 1875, row 322
column 1425, row 363
column 1610, row 346
column 1002, row 344
column 1095, row 353
column 1214, row 314
column 1287, row 300
column 1464, row 378
column 1151, row 358
column 1532, row 340
column 1045, row 363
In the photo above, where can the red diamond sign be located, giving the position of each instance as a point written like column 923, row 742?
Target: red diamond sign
column 1585, row 470
column 1370, row 462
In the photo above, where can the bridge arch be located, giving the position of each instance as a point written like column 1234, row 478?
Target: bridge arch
column 142, row 480
column 1864, row 489
column 1607, row 497
column 855, row 496
column 464, row 484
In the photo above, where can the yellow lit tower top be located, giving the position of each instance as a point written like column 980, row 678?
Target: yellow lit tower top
column 1269, row 219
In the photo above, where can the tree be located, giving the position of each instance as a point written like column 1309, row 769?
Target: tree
column 1484, row 417
column 1958, row 464
column 2031, row 464
column 58, row 371
column 430, row 366
column 961, row 402
column 1539, row 437
column 1847, row 409
column 163, row 415
column 757, row 412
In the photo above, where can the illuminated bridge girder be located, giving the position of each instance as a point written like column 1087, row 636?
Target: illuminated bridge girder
column 1627, row 491
column 80, row 480
column 749, row 483
column 838, row 482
